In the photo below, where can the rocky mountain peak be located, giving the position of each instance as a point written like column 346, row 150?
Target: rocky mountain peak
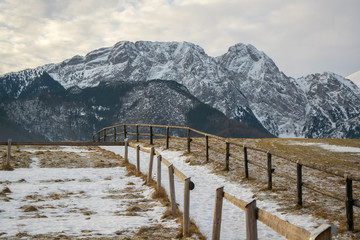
column 244, row 84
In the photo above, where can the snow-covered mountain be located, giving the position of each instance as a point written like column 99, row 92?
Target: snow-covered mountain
column 244, row 84
column 355, row 77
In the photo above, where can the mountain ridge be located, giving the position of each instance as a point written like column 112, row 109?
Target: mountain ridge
column 241, row 83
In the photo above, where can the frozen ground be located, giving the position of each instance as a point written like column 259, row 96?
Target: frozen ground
column 75, row 202
column 332, row 148
column 95, row 202
column 202, row 198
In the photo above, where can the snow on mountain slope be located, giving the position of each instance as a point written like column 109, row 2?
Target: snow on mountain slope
column 183, row 62
column 273, row 97
column 244, row 83
column 334, row 106
column 355, row 77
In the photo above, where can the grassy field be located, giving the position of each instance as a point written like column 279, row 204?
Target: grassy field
column 328, row 153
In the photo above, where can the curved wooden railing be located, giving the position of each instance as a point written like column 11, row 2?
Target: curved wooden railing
column 113, row 133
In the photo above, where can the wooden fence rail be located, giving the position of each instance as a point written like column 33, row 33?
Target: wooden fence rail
column 188, row 184
column 284, row 228
column 102, row 134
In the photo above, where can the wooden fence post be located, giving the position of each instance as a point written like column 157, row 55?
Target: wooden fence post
column 158, row 174
column 104, row 135
column 114, row 134
column 207, row 148
column 227, row 156
column 99, row 137
column 246, row 162
column 269, row 170
column 6, row 162
column 151, row 135
column 167, row 137
column 251, row 220
column 138, row 158
column 299, row 183
column 8, row 154
column 186, row 207
column 349, row 204
column 172, row 190
column 217, row 213
column 321, row 233
column 125, row 133
column 150, row 165
column 137, row 133
column 126, row 150
column 188, row 140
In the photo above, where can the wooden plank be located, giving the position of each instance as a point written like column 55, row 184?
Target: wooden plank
column 137, row 133
column 138, row 158
column 322, row 191
column 179, row 175
column 246, row 162
column 126, row 150
column 159, row 135
column 167, row 137
column 186, row 211
column 235, row 201
column 8, row 154
column 172, row 189
column 321, row 233
column 188, row 141
column 299, row 184
column 207, row 134
column 125, row 136
column 349, row 205
column 269, row 170
column 207, row 148
column 6, row 161
column 151, row 135
column 227, row 156
column 158, row 174
column 284, row 228
column 217, row 214
column 150, row 165
column 251, row 221
column 165, row 162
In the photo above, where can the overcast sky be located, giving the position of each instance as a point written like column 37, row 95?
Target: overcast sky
column 302, row 37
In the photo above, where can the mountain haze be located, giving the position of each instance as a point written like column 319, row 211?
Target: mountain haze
column 243, row 85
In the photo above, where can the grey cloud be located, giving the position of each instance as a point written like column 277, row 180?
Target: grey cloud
column 301, row 36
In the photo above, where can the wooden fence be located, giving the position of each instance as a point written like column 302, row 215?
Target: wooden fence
column 253, row 214
column 123, row 130
column 172, row 170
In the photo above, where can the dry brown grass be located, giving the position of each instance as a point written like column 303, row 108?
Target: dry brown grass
column 158, row 232
column 314, row 203
column 53, row 157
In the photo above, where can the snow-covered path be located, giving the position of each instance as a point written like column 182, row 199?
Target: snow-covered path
column 202, row 198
